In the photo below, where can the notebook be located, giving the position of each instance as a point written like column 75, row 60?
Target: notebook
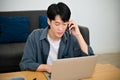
column 72, row 68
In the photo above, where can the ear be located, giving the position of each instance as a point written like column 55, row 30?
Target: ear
column 48, row 20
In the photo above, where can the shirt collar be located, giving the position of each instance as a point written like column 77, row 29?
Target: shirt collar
column 45, row 32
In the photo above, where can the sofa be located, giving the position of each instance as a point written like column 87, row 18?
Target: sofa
column 11, row 52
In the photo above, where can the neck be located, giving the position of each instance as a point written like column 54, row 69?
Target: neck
column 52, row 35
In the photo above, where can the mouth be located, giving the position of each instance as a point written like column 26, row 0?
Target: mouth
column 59, row 33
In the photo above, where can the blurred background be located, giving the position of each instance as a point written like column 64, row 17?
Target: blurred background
column 102, row 17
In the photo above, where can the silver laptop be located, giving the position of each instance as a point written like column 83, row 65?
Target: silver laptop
column 72, row 68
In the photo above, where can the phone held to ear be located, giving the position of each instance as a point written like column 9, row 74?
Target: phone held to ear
column 68, row 26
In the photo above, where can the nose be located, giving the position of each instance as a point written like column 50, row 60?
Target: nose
column 61, row 28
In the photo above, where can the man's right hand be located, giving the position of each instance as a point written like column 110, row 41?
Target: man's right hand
column 44, row 67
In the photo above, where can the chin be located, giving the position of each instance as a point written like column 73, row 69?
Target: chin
column 59, row 36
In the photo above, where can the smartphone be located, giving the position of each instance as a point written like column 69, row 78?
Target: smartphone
column 68, row 26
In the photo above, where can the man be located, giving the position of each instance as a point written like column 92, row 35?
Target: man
column 54, row 42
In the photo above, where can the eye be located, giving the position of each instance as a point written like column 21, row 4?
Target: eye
column 65, row 24
column 57, row 24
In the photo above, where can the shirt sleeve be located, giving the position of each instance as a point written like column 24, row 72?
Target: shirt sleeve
column 90, row 52
column 77, row 49
column 28, row 61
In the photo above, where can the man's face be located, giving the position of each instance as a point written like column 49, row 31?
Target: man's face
column 57, row 26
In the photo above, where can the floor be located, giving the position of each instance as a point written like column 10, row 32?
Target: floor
column 112, row 58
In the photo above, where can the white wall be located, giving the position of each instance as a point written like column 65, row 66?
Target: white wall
column 101, row 16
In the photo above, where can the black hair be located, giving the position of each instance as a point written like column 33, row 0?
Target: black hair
column 60, row 9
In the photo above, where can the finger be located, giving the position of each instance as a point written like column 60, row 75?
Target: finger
column 71, row 26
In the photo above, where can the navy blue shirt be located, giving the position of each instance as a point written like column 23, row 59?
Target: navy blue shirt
column 37, row 49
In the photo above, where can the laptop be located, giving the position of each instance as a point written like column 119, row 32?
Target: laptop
column 72, row 68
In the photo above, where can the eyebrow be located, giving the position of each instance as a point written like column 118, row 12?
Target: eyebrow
column 59, row 22
column 56, row 21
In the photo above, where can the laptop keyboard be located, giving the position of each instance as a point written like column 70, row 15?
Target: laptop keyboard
column 48, row 75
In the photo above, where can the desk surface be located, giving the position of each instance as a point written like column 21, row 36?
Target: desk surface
column 102, row 72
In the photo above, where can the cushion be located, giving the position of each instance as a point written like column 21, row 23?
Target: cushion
column 2, row 19
column 43, row 21
column 14, row 29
